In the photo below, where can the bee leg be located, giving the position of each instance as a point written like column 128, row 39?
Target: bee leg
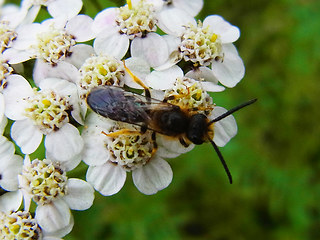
column 143, row 129
column 137, row 80
column 155, row 145
column 121, row 132
column 183, row 142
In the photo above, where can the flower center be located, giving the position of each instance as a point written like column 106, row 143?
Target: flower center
column 189, row 95
column 7, row 35
column 55, row 45
column 136, row 21
column 5, row 71
column 100, row 70
column 19, row 225
column 200, row 45
column 132, row 150
column 45, row 181
column 47, row 110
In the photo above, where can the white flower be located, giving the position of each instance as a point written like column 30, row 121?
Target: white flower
column 205, row 44
column 21, row 225
column 10, row 167
column 46, row 183
column 192, row 7
column 137, row 22
column 166, row 79
column 56, row 8
column 109, row 158
column 44, row 112
column 52, row 41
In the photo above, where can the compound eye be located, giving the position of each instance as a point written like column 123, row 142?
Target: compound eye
column 197, row 129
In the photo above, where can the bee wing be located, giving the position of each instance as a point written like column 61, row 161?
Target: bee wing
column 118, row 104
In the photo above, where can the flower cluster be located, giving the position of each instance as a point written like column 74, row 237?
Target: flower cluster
column 147, row 47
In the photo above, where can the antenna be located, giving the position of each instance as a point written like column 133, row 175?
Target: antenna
column 226, row 114
column 224, row 164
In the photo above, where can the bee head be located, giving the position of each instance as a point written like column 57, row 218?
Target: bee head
column 197, row 129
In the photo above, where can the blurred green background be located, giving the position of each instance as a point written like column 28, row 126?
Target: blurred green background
column 274, row 159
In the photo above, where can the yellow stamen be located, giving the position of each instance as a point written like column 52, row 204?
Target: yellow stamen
column 129, row 4
column 46, row 102
column 214, row 37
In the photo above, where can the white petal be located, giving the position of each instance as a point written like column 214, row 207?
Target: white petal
column 80, row 52
column 154, row 176
column 68, row 164
column 64, row 8
column 1, row 106
column 107, row 179
column 227, row 32
column 80, row 194
column 10, row 201
column 9, row 175
column 192, row 7
column 80, row 26
column 152, row 48
column 26, row 135
column 140, row 68
column 15, row 56
column 3, row 124
column 65, row 143
column 6, row 151
column 16, row 90
column 231, row 70
column 225, row 129
column 173, row 20
column 173, row 145
column 53, row 217
column 63, row 70
column 202, row 74
column 104, row 19
column 164, row 79
column 208, row 81
column 174, row 54
column 27, row 36
column 112, row 43
column 94, row 151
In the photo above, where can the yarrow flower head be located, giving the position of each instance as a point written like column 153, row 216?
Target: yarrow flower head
column 100, row 71
column 112, row 149
column 19, row 225
column 44, row 112
column 45, row 182
column 51, row 41
column 200, row 45
column 136, row 21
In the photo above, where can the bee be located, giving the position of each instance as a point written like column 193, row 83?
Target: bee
column 158, row 116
